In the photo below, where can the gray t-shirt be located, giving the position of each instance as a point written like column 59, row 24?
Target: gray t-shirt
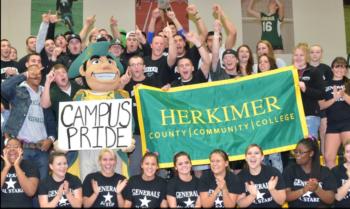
column 33, row 128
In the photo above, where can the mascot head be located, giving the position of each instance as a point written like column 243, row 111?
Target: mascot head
column 100, row 68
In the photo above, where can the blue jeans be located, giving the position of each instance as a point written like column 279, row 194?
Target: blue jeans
column 39, row 158
column 135, row 157
column 313, row 124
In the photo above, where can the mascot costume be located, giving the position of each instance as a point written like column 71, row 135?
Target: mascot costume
column 102, row 74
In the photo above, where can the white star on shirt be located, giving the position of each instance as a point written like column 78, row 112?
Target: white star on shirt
column 144, row 202
column 260, row 195
column 10, row 184
column 307, row 194
column 62, row 201
column 108, row 197
column 218, row 202
column 189, row 203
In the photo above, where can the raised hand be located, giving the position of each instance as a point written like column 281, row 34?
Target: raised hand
column 251, row 188
column 193, row 38
column 19, row 158
column 121, row 185
column 192, row 10
column 171, row 14
column 156, row 13
column 5, row 158
column 113, row 21
column 217, row 11
column 90, row 20
column 271, row 185
column 45, row 17
column 95, row 187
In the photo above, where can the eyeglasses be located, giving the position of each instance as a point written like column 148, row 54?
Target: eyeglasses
column 136, row 64
column 297, row 152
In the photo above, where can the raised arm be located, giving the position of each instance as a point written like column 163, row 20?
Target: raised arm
column 88, row 25
column 193, row 14
column 216, row 45
column 172, row 17
column 202, row 49
column 113, row 23
column 230, row 29
column 44, row 26
column 171, row 59
column 152, row 24
column 280, row 9
column 45, row 99
column 251, row 11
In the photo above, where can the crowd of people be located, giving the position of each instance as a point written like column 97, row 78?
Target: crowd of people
column 34, row 170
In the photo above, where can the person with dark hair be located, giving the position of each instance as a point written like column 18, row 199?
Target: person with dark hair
column 219, row 187
column 182, row 189
column 33, row 125
column 308, row 183
column 103, row 188
column 60, row 189
column 245, row 60
column 263, row 186
column 64, row 8
column 342, row 175
column 336, row 102
column 266, row 63
column 19, row 178
column 8, row 67
column 146, row 190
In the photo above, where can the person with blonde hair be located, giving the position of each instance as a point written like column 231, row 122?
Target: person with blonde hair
column 311, row 84
column 265, row 47
column 103, row 188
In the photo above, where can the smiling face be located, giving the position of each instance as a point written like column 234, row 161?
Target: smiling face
column 34, row 76
column 101, row 74
column 12, row 149
column 149, row 166
column 218, row 164
column 107, row 163
column 264, row 63
column 303, row 155
column 183, row 165
column 59, row 166
column 254, row 157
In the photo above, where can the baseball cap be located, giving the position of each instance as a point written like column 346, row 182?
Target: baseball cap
column 73, row 36
column 229, row 51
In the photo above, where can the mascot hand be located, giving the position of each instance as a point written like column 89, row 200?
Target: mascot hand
column 131, row 147
column 57, row 148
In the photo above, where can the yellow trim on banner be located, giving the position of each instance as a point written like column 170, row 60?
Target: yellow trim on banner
column 218, row 83
column 139, row 115
column 300, row 102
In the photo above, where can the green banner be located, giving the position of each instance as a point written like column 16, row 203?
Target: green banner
column 265, row 109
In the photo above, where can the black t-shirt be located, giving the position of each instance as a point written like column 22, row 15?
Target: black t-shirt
column 49, row 187
column 207, row 183
column 186, row 193
column 198, row 77
column 295, row 179
column 130, row 89
column 159, row 69
column 339, row 173
column 143, row 193
column 326, row 71
column 264, row 198
column 6, row 64
column 340, row 110
column 107, row 196
column 12, row 195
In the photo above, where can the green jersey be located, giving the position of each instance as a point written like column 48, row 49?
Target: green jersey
column 271, row 30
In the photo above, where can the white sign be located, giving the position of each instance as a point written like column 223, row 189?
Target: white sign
column 84, row 125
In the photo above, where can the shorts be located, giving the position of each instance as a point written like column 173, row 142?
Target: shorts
column 323, row 114
column 338, row 127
